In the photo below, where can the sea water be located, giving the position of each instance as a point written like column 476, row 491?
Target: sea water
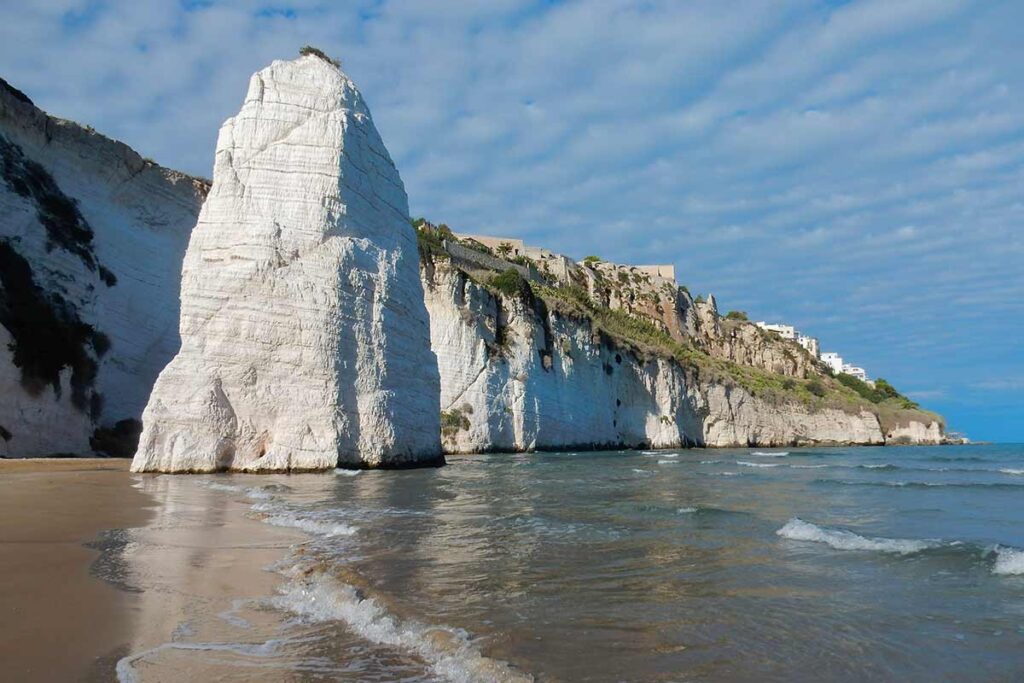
column 750, row 565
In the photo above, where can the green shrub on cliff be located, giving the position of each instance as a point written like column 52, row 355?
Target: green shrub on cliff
column 511, row 283
column 888, row 392
column 737, row 315
column 817, row 388
column 307, row 50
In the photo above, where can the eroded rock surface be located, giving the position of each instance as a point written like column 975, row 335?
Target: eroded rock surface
column 305, row 340
column 91, row 241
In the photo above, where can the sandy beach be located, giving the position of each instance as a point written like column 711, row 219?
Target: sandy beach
column 99, row 563
column 50, row 511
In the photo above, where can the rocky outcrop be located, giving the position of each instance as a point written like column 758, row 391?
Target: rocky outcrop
column 731, row 416
column 91, row 241
column 661, row 301
column 913, row 431
column 516, row 376
column 305, row 341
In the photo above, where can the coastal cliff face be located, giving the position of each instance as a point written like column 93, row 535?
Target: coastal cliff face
column 91, row 241
column 519, row 375
column 305, row 341
column 309, row 339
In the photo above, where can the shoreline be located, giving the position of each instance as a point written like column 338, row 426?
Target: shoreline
column 54, row 516
column 108, row 565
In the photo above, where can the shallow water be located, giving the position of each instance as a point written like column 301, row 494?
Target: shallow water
column 806, row 564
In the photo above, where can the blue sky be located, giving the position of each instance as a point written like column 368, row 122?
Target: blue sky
column 854, row 168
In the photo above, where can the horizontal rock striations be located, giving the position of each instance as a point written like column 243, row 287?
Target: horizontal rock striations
column 91, row 240
column 305, row 340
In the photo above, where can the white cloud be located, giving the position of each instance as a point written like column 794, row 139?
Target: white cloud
column 855, row 169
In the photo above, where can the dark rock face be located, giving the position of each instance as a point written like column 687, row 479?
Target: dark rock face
column 65, row 226
column 48, row 334
column 119, row 441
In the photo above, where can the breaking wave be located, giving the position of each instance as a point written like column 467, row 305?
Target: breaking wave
column 347, row 473
column 770, row 454
column 311, row 526
column 1005, row 560
column 125, row 668
column 448, row 651
column 923, row 484
column 1009, row 561
column 744, row 463
column 1012, row 470
column 797, row 529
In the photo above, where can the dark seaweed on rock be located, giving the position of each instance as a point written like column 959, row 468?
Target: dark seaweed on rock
column 119, row 441
column 47, row 333
column 65, row 226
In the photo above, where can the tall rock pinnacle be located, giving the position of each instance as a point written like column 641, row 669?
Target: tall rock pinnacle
column 305, row 339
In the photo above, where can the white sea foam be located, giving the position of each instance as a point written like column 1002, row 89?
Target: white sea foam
column 256, row 493
column 1009, row 561
column 318, row 527
column 125, row 668
column 807, row 467
column 448, row 651
column 651, row 453
column 347, row 473
column 667, row 462
column 216, row 486
column 770, row 454
column 798, row 530
column 252, row 492
column 1012, row 470
column 687, row 511
column 725, row 474
column 744, row 463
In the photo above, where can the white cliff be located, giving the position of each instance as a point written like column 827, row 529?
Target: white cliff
column 913, row 431
column 91, row 241
column 305, row 341
column 516, row 376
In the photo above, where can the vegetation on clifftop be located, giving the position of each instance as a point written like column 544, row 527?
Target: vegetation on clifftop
column 646, row 339
column 309, row 50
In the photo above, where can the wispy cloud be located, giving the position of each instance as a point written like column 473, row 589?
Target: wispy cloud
column 854, row 168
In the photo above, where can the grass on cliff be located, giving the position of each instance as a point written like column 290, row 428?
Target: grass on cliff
column 647, row 340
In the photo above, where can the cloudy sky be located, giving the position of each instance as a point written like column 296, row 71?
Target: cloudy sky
column 853, row 168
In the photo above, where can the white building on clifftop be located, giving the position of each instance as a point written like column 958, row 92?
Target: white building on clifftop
column 785, row 331
column 833, row 360
column 792, row 334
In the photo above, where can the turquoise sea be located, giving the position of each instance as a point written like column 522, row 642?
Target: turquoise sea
column 895, row 564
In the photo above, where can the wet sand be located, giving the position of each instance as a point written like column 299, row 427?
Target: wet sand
column 59, row 623
column 99, row 563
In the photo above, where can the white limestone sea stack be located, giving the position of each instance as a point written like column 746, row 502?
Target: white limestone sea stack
column 305, row 341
